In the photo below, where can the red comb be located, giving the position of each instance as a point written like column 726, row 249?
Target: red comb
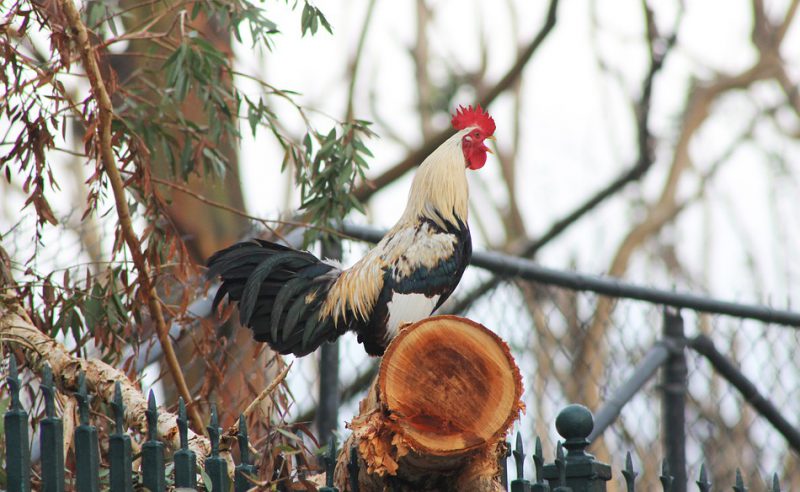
column 469, row 116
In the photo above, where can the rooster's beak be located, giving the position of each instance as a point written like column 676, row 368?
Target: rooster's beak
column 492, row 138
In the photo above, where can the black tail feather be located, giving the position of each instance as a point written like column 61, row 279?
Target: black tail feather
column 291, row 290
column 280, row 292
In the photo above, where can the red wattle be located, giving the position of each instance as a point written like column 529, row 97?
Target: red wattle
column 477, row 159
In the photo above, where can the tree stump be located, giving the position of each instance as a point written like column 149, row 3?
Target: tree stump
column 437, row 414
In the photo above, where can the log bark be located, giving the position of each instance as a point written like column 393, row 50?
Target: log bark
column 438, row 412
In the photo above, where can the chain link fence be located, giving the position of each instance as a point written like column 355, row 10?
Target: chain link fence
column 568, row 354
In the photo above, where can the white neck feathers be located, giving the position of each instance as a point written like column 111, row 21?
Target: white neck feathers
column 439, row 189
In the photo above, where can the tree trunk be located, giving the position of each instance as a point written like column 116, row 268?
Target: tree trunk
column 437, row 415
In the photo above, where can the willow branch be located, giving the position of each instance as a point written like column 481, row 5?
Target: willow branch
column 105, row 115
column 222, row 206
column 241, row 213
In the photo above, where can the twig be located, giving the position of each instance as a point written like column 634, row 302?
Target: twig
column 234, row 429
column 357, row 59
column 421, row 59
column 366, row 190
column 241, row 213
column 516, row 70
column 105, row 115
column 6, row 278
column 787, row 21
column 355, row 388
column 512, row 219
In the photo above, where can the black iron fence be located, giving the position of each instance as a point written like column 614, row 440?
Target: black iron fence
column 154, row 474
column 572, row 470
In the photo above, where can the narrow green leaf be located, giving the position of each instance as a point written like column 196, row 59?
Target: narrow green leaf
column 110, row 21
column 305, row 19
column 324, row 22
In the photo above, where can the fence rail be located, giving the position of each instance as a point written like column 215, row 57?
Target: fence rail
column 503, row 265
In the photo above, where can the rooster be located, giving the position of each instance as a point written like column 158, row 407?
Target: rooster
column 295, row 301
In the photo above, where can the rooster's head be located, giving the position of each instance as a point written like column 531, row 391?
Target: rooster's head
column 481, row 127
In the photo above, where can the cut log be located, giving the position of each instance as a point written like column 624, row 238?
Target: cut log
column 437, row 414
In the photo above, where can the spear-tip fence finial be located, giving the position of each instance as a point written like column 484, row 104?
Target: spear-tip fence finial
column 152, row 417
column 83, row 399
column 629, row 473
column 49, row 391
column 519, row 457
column 702, row 483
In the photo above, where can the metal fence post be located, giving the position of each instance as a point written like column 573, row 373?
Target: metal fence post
column 51, row 438
column 244, row 469
column 520, row 484
column 329, row 465
column 120, row 454
column 673, row 387
column 216, row 466
column 578, row 471
column 328, row 408
column 18, row 454
column 87, row 450
column 153, row 451
column 185, row 459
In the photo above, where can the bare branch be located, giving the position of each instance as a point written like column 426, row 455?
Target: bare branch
column 643, row 163
column 234, row 429
column 698, row 108
column 357, row 58
column 421, row 56
column 791, row 13
column 365, row 191
column 512, row 218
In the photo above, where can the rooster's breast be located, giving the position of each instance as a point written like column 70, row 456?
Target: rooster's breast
column 425, row 263
column 408, row 308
